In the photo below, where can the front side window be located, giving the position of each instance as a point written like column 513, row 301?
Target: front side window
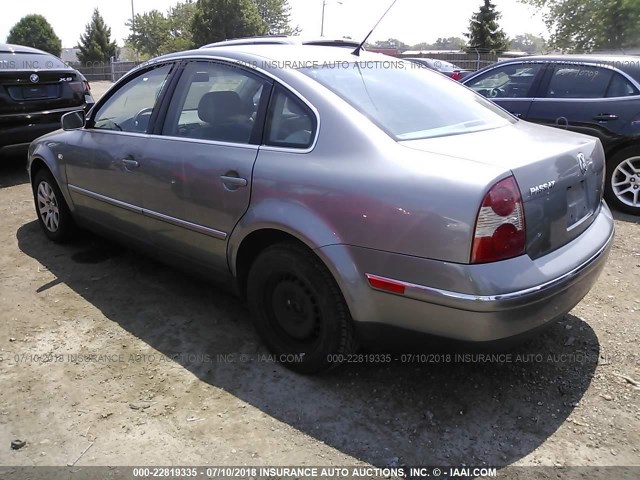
column 408, row 103
column 579, row 81
column 130, row 108
column 215, row 102
column 290, row 123
column 507, row 81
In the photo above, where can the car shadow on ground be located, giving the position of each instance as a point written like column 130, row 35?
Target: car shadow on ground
column 13, row 168
column 625, row 217
column 426, row 411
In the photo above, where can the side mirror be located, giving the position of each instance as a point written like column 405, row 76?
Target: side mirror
column 74, row 120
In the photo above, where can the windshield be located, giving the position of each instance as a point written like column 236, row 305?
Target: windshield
column 409, row 103
column 30, row 61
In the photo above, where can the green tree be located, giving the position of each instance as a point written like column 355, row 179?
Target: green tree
column 528, row 43
column 217, row 20
column 149, row 32
column 180, row 19
column 586, row 25
column 155, row 33
column 277, row 15
column 34, row 31
column 95, row 44
column 485, row 33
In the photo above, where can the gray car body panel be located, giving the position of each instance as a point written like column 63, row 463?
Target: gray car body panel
column 367, row 204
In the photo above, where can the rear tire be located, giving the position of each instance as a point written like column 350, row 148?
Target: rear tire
column 53, row 212
column 299, row 311
column 622, row 184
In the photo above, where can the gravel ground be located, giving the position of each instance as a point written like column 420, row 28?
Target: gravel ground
column 104, row 348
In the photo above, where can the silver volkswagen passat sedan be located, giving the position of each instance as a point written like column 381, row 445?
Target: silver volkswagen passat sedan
column 341, row 195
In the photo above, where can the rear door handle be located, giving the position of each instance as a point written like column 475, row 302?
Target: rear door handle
column 605, row 117
column 234, row 181
column 130, row 164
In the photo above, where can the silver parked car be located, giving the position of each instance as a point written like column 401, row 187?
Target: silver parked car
column 341, row 195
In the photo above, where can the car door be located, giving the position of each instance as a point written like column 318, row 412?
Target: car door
column 103, row 166
column 512, row 86
column 593, row 99
column 200, row 161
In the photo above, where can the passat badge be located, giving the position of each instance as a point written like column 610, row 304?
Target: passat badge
column 34, row 78
column 582, row 161
column 545, row 187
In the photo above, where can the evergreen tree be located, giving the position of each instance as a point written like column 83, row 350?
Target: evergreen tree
column 96, row 45
column 34, row 31
column 484, row 32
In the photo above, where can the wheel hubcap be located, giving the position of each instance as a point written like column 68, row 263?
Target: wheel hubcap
column 625, row 182
column 48, row 207
column 295, row 309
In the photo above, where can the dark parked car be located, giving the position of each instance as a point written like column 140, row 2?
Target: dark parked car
column 339, row 198
column 446, row 68
column 596, row 95
column 36, row 89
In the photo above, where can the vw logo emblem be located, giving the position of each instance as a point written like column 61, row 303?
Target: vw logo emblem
column 582, row 161
column 34, row 78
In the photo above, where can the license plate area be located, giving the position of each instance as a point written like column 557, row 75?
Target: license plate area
column 34, row 92
column 577, row 205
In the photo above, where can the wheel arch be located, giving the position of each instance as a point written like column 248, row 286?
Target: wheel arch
column 40, row 158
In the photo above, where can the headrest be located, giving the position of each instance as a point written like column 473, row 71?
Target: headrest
column 219, row 107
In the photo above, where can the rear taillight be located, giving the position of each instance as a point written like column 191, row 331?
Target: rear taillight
column 82, row 87
column 500, row 228
column 456, row 75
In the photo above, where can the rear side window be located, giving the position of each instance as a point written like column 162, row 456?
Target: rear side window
column 130, row 108
column 621, row 87
column 30, row 61
column 579, row 81
column 507, row 81
column 290, row 123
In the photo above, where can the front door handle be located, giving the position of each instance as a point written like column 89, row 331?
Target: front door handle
column 605, row 117
column 130, row 164
column 234, row 181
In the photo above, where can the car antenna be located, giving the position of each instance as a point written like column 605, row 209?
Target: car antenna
column 357, row 51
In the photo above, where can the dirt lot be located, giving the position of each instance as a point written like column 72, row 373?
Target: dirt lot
column 102, row 347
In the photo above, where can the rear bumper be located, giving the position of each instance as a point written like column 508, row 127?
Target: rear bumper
column 492, row 302
column 23, row 128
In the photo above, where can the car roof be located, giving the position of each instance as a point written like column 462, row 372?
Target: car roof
column 630, row 64
column 286, row 40
column 11, row 48
column 286, row 56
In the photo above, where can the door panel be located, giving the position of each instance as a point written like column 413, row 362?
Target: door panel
column 197, row 173
column 593, row 100
column 103, row 167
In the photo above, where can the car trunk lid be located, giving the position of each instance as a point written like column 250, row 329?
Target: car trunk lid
column 560, row 176
column 35, row 82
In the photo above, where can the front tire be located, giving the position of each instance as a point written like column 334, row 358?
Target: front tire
column 53, row 212
column 622, row 185
column 299, row 311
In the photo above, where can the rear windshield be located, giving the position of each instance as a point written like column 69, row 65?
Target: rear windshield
column 30, row 61
column 409, row 103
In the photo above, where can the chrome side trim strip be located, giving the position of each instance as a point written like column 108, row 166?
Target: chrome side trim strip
column 482, row 303
column 184, row 224
column 151, row 214
column 102, row 198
